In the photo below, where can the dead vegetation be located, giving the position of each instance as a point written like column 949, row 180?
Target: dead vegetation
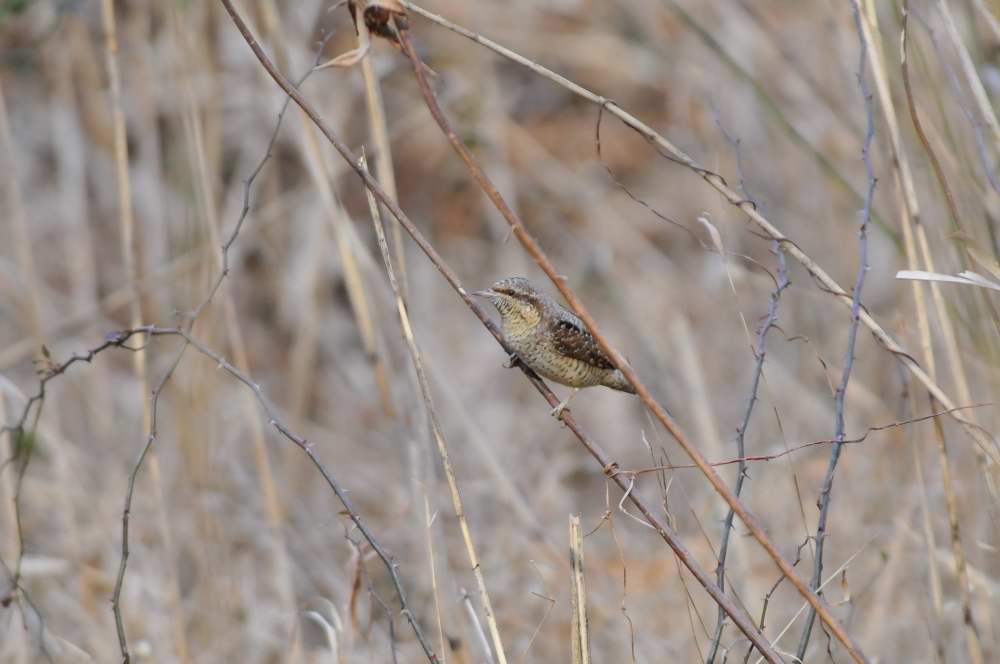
column 697, row 178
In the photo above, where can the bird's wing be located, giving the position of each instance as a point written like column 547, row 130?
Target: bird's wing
column 572, row 339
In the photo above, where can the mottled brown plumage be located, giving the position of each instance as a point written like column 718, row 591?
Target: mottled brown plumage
column 551, row 339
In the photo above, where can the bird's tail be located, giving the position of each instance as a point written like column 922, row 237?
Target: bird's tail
column 617, row 381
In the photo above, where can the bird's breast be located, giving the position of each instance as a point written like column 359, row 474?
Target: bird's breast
column 538, row 351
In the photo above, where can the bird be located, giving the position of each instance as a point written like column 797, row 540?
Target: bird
column 550, row 339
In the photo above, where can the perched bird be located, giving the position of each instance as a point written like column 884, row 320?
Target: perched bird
column 551, row 339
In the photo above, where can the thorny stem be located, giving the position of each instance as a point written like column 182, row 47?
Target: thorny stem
column 635, row 472
column 127, row 511
column 391, row 619
column 824, row 497
column 770, row 594
column 760, row 351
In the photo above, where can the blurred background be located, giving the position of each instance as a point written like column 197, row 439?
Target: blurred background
column 239, row 550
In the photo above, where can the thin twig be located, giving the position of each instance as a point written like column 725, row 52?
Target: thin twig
column 760, row 351
column 628, row 192
column 621, row 558
column 852, row 335
column 538, row 628
column 770, row 593
column 116, row 595
column 139, row 364
column 390, row 618
column 801, row 446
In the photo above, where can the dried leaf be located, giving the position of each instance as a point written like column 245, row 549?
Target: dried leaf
column 348, row 59
column 844, row 586
column 965, row 278
column 379, row 15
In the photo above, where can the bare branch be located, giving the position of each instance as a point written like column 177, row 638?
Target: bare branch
column 801, row 446
column 760, row 351
column 852, row 335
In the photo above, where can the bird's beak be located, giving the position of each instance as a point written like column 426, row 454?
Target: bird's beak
column 489, row 292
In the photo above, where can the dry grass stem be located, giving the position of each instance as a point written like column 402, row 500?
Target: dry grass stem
column 579, row 629
column 432, row 567
column 385, row 171
column 436, row 430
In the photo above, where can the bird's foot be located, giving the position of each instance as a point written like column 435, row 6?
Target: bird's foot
column 511, row 361
column 558, row 410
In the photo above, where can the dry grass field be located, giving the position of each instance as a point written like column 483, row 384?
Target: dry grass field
column 128, row 134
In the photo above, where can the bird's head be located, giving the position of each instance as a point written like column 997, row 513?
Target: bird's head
column 517, row 300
